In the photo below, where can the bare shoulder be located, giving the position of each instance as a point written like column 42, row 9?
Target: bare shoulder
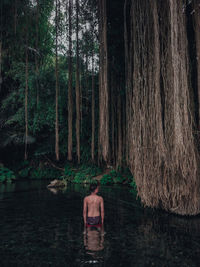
column 85, row 199
column 100, row 198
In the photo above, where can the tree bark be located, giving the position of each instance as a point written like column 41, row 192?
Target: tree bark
column 77, row 86
column 1, row 79
column 196, row 18
column 93, row 113
column 36, row 54
column 70, row 98
column 119, row 131
column 26, row 99
column 103, row 150
column 57, row 89
column 15, row 18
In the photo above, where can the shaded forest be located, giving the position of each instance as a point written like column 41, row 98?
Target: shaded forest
column 113, row 83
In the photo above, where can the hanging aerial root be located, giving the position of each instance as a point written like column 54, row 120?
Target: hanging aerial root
column 161, row 146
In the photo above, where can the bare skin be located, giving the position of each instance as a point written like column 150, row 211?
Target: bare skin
column 93, row 206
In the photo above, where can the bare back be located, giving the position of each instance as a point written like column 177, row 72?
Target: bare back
column 93, row 205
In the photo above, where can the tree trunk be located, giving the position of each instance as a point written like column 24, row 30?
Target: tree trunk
column 26, row 100
column 77, row 86
column 70, row 98
column 162, row 148
column 36, row 54
column 119, row 131
column 93, row 113
column 103, row 150
column 1, row 79
column 15, row 18
column 57, row 89
column 196, row 18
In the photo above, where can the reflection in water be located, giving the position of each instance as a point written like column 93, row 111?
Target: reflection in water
column 94, row 243
column 6, row 188
column 55, row 190
column 93, row 239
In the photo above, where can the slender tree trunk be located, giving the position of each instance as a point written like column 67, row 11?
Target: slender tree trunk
column 103, row 150
column 36, row 54
column 26, row 100
column 86, row 84
column 77, row 86
column 93, row 112
column 81, row 88
column 1, row 79
column 15, row 17
column 196, row 18
column 119, row 130
column 0, row 63
column 113, row 134
column 70, row 98
column 57, row 89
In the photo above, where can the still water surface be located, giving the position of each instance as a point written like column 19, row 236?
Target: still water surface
column 39, row 227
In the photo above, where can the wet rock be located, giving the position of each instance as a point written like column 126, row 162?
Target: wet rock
column 57, row 183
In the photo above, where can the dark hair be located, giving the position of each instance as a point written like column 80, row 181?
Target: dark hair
column 93, row 187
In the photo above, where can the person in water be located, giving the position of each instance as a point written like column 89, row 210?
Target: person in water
column 93, row 208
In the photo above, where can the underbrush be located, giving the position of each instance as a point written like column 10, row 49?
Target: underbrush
column 121, row 176
column 83, row 174
column 27, row 170
column 6, row 175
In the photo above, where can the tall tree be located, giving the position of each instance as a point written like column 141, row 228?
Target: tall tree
column 57, row 89
column 1, row 35
column 103, row 145
column 70, row 98
column 93, row 111
column 37, row 51
column 162, row 151
column 15, row 17
column 196, row 18
column 77, row 85
column 26, row 92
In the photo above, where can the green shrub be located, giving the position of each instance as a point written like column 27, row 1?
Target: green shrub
column 84, row 174
column 79, row 178
column 118, row 177
column 129, row 177
column 107, row 179
column 6, row 175
column 24, row 172
column 133, row 185
column 68, row 171
column 44, row 173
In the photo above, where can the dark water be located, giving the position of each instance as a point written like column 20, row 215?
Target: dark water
column 43, row 228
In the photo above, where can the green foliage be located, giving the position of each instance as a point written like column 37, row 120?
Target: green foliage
column 45, row 173
column 6, row 175
column 69, row 171
column 118, row 177
column 26, row 170
column 107, row 179
column 84, row 174
column 133, row 185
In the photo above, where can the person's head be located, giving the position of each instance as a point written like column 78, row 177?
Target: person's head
column 94, row 188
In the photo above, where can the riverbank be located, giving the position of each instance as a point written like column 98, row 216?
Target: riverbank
column 77, row 174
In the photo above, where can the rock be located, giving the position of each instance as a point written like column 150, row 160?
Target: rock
column 57, row 183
